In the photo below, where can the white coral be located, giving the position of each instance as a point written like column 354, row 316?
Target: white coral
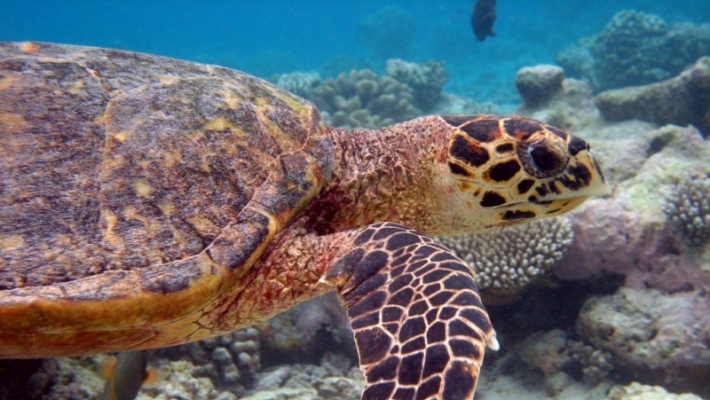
column 687, row 206
column 299, row 83
column 511, row 258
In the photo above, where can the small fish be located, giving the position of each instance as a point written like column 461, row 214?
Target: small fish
column 482, row 19
column 127, row 376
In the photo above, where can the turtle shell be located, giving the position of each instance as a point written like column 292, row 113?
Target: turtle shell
column 116, row 168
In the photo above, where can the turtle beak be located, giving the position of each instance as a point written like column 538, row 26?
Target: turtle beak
column 581, row 179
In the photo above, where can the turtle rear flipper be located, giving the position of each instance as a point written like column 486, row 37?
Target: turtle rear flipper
column 416, row 314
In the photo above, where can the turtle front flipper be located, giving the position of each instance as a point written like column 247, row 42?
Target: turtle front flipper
column 416, row 314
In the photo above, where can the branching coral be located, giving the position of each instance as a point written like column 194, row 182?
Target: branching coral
column 363, row 99
column 510, row 259
column 687, row 205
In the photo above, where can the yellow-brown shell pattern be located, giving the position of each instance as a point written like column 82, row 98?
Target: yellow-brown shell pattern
column 107, row 165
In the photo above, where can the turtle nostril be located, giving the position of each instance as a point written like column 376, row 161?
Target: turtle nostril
column 544, row 159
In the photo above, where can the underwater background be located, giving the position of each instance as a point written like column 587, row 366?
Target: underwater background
column 274, row 37
column 616, row 304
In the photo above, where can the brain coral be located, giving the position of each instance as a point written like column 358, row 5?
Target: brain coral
column 511, row 258
column 687, row 205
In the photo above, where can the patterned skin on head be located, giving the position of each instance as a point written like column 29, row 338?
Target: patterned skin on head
column 512, row 158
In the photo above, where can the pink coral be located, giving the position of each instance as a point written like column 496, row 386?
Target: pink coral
column 610, row 239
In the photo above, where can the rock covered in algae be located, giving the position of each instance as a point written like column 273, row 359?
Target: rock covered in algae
column 629, row 234
column 682, row 100
column 655, row 335
column 561, row 358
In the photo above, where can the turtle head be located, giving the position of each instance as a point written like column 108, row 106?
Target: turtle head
column 508, row 170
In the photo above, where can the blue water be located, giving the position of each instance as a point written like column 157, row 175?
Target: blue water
column 270, row 37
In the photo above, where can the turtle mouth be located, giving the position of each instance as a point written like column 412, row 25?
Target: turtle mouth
column 539, row 209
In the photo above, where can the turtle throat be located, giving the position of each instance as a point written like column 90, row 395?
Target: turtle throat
column 380, row 175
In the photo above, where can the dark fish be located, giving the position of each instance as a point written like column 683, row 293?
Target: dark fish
column 127, row 376
column 482, row 19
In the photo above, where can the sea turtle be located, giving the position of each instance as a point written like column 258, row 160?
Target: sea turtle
column 149, row 202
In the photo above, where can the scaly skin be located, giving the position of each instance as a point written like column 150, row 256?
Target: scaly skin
column 150, row 202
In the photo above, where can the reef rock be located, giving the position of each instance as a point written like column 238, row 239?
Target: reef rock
column 682, row 100
column 571, row 107
column 655, row 336
column 629, row 234
column 538, row 84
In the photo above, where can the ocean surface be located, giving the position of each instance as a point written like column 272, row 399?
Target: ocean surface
column 618, row 302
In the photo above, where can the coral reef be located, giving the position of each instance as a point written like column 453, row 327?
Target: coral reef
column 389, row 33
column 637, row 391
column 425, row 79
column 659, row 337
column 594, row 363
column 635, row 48
column 628, row 50
column 687, row 205
column 333, row 378
column 364, row 99
column 569, row 107
column 299, row 83
column 547, row 352
column 682, row 100
column 306, row 332
column 180, row 380
column 628, row 234
column 538, row 84
column 507, row 261
column 230, row 361
column 558, row 357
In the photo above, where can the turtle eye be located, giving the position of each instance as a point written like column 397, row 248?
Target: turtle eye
column 541, row 161
column 544, row 159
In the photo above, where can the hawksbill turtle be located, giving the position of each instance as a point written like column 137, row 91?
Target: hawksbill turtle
column 149, row 202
